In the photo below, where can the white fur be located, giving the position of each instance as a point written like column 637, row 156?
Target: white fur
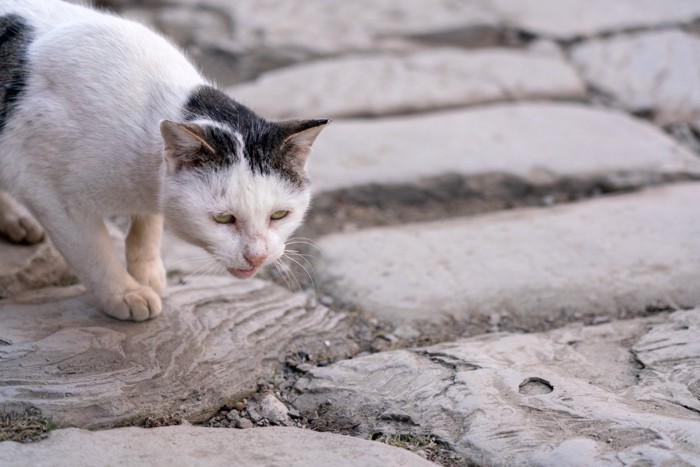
column 84, row 143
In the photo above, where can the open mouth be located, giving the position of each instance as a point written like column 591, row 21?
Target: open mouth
column 242, row 273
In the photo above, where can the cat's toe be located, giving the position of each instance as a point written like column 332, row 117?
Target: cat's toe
column 135, row 305
column 21, row 229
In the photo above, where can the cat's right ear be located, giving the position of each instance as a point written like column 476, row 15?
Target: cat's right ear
column 183, row 145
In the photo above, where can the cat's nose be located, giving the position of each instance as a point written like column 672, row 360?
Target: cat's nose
column 255, row 260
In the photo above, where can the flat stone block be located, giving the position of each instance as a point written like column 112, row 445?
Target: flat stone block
column 621, row 253
column 646, row 72
column 420, row 81
column 569, row 19
column 537, row 142
column 216, row 340
column 616, row 394
column 189, row 445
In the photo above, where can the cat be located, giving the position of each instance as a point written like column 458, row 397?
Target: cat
column 100, row 116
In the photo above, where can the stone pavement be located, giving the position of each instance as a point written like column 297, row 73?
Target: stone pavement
column 503, row 255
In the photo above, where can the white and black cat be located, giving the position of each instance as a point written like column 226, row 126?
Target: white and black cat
column 100, row 116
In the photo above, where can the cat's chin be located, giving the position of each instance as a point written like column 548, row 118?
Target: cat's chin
column 242, row 273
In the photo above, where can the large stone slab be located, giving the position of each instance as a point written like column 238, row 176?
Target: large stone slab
column 188, row 446
column 322, row 27
column 601, row 257
column 391, row 84
column 646, row 72
column 538, row 142
column 570, row 19
column 216, row 340
column 597, row 395
column 27, row 267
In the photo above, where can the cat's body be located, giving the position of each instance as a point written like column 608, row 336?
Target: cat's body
column 100, row 116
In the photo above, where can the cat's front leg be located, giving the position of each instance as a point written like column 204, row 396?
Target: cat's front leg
column 16, row 223
column 143, row 260
column 85, row 243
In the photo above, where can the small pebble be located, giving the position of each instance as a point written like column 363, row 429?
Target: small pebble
column 244, row 423
column 239, row 406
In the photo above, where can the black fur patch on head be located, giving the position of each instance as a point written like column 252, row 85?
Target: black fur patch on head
column 263, row 140
column 15, row 37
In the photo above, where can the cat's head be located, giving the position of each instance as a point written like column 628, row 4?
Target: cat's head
column 236, row 184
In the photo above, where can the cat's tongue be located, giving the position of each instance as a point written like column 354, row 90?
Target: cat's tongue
column 242, row 273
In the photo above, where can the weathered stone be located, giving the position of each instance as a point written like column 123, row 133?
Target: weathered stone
column 24, row 267
column 188, row 445
column 570, row 19
column 653, row 72
column 540, row 143
column 573, row 396
column 598, row 257
column 217, row 339
column 391, row 84
column 267, row 407
column 335, row 26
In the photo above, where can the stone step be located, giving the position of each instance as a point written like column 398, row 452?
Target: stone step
column 193, row 446
column 622, row 393
column 646, row 72
column 573, row 19
column 527, row 268
column 539, row 143
column 392, row 84
column 217, row 339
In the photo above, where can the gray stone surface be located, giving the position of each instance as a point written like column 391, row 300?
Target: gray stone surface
column 654, row 72
column 539, row 142
column 627, row 252
column 391, row 84
column 573, row 396
column 569, row 19
column 25, row 267
column 194, row 446
column 321, row 27
column 217, row 339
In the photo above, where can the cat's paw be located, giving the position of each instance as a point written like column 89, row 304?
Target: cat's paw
column 20, row 228
column 149, row 273
column 136, row 304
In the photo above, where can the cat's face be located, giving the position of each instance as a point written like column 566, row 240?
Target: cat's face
column 236, row 184
column 241, row 218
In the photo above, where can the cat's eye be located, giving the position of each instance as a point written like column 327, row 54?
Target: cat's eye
column 224, row 218
column 277, row 215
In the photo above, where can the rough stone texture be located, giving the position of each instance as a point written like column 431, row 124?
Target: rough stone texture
column 647, row 72
column 188, row 445
column 335, row 26
column 26, row 267
column 569, row 19
column 573, row 396
column 540, row 142
column 391, row 84
column 602, row 256
column 217, row 339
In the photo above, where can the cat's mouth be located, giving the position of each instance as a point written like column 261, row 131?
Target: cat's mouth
column 242, row 273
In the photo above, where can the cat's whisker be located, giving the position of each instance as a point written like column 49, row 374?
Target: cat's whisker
column 210, row 265
column 283, row 274
column 290, row 274
column 313, row 282
column 304, row 241
column 193, row 259
column 305, row 255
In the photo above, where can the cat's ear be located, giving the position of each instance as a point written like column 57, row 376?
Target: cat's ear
column 301, row 134
column 184, row 145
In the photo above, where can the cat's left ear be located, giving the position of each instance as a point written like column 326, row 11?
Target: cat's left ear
column 301, row 134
